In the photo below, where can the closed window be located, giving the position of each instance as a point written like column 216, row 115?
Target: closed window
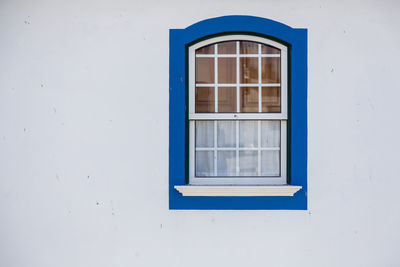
column 238, row 111
column 238, row 115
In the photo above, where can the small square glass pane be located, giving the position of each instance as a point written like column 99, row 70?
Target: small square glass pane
column 205, row 70
column 209, row 49
column 227, row 99
column 270, row 133
column 248, row 134
column 226, row 134
column 204, row 163
column 267, row 49
column 247, row 47
column 227, row 70
column 205, row 101
column 226, row 163
column 248, row 163
column 248, row 70
column 249, row 99
column 227, row 47
column 271, row 69
column 271, row 99
column 204, row 134
column 270, row 163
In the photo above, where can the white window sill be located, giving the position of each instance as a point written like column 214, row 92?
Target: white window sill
column 265, row 190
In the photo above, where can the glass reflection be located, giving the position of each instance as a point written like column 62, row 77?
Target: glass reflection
column 271, row 99
column 247, row 47
column 204, row 99
column 227, row 99
column 227, row 47
column 226, row 70
column 271, row 70
column 205, row 70
column 248, row 70
column 249, row 99
column 209, row 49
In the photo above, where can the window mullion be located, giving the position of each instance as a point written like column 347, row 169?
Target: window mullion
column 237, row 78
column 259, row 78
column 216, row 79
column 215, row 148
column 259, row 149
column 216, row 107
column 237, row 148
column 237, row 106
column 259, row 110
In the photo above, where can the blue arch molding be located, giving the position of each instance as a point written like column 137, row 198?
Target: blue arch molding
column 296, row 40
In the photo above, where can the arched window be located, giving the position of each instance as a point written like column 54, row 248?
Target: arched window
column 238, row 115
column 237, row 111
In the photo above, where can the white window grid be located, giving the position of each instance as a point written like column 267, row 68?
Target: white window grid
column 281, row 116
column 238, row 148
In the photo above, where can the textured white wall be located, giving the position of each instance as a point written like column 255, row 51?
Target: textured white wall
column 84, row 139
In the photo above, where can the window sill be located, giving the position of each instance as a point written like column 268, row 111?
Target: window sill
column 216, row 191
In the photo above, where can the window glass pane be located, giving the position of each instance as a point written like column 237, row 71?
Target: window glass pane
column 270, row 133
column 204, row 163
column 209, row 49
column 248, row 134
column 226, row 133
column 270, row 163
column 205, row 70
column 249, row 99
column 227, row 70
column 204, row 133
column 248, row 47
column 227, row 47
column 266, row 49
column 226, row 99
column 271, row 99
column 205, row 99
column 271, row 69
column 248, row 138
column 248, row 70
column 226, row 163
column 248, row 163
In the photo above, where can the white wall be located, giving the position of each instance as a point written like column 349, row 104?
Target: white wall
column 84, row 139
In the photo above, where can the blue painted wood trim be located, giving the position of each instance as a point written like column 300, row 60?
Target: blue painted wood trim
column 296, row 39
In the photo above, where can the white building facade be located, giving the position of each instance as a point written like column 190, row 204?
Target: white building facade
column 84, row 143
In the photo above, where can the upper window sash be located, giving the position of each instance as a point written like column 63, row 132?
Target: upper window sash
column 282, row 115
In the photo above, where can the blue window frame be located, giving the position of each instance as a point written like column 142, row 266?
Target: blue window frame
column 296, row 41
